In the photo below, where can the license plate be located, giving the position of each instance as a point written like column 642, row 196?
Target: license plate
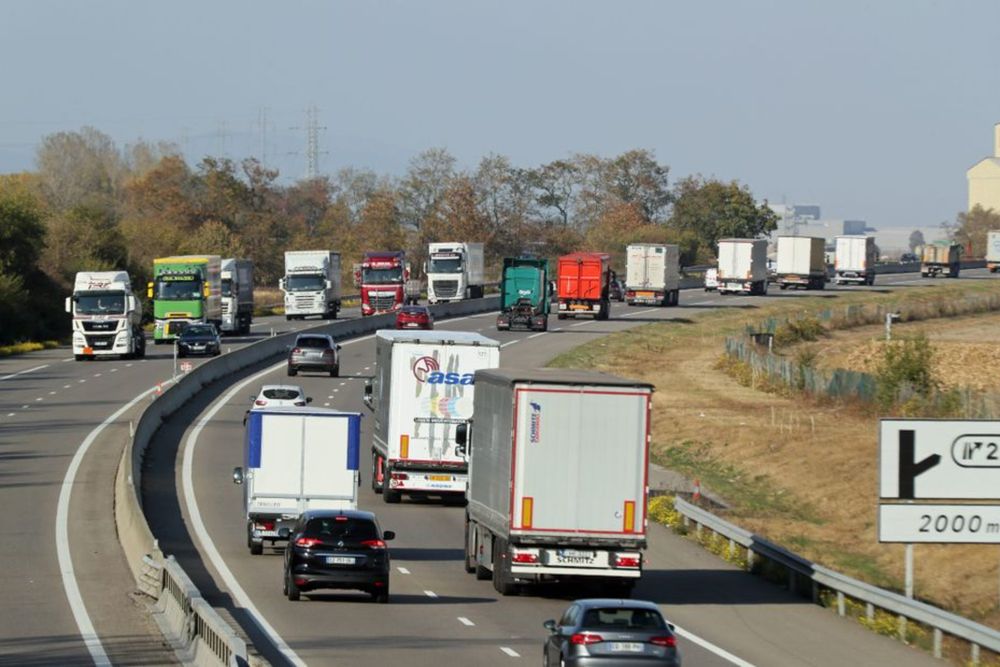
column 644, row 295
column 627, row 647
column 734, row 286
column 340, row 560
column 578, row 307
column 440, row 478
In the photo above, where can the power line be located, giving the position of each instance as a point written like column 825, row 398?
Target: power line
column 313, row 152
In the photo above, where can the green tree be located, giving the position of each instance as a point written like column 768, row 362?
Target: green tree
column 22, row 233
column 972, row 228
column 916, row 240
column 713, row 210
column 424, row 185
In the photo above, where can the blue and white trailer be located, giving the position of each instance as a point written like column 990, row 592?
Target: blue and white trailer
column 296, row 459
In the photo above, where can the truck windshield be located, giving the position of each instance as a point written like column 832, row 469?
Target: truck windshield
column 99, row 303
column 177, row 290
column 392, row 276
column 446, row 264
column 227, row 287
column 311, row 282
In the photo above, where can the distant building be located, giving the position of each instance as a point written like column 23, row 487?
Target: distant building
column 984, row 178
column 797, row 220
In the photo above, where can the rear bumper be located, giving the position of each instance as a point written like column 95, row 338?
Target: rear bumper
column 344, row 579
column 443, row 481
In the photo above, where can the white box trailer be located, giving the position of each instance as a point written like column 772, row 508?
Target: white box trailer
column 558, row 476
column 422, row 390
column 742, row 266
column 854, row 261
column 801, row 262
column 237, row 295
column 993, row 251
column 296, row 459
column 653, row 274
column 311, row 284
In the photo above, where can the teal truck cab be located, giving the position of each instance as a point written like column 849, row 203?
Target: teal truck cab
column 524, row 294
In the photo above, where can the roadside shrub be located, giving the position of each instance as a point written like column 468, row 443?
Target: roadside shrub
column 905, row 363
column 803, row 329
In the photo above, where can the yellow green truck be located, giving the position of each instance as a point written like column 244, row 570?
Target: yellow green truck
column 185, row 289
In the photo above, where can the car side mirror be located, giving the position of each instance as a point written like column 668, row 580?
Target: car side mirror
column 368, row 389
column 284, row 533
column 69, row 304
column 309, row 399
column 281, row 284
column 550, row 625
column 329, row 284
column 462, row 435
column 338, row 348
column 388, row 535
column 671, row 627
column 132, row 305
column 237, row 475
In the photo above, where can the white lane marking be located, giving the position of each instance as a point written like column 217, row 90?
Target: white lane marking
column 430, row 594
column 536, row 335
column 25, row 372
column 52, row 393
column 326, row 405
column 97, row 375
column 367, row 368
column 83, row 622
column 464, row 621
column 342, row 384
column 24, row 407
column 402, row 570
column 582, row 324
column 331, row 396
column 640, row 312
column 128, row 365
column 10, row 414
column 335, row 391
column 509, row 651
column 67, row 386
column 709, row 646
column 201, row 533
column 114, row 370
column 68, row 359
column 39, row 399
column 81, row 381
column 510, row 342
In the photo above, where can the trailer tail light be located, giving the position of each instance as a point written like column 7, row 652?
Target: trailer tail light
column 265, row 525
column 524, row 557
column 307, row 542
column 585, row 638
column 399, row 475
column 628, row 560
column 404, row 446
column 669, row 641
column 629, row 516
column 373, row 544
column 527, row 509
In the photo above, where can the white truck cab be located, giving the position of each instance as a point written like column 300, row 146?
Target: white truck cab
column 106, row 316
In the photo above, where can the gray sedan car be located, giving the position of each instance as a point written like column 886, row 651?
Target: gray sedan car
column 610, row 632
column 314, row 352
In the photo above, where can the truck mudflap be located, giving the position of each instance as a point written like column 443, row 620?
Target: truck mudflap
column 427, row 481
column 577, row 561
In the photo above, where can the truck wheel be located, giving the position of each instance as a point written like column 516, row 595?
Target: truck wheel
column 256, row 548
column 388, row 495
column 503, row 580
column 470, row 562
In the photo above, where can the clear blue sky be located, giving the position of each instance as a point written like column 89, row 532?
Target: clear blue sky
column 873, row 110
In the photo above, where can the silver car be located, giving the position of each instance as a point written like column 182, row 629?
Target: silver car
column 314, row 352
column 602, row 631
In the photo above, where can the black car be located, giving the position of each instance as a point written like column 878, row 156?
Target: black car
column 338, row 549
column 616, row 291
column 199, row 339
column 610, row 631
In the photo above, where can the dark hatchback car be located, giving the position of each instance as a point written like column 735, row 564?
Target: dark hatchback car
column 314, row 352
column 343, row 549
column 199, row 339
column 414, row 317
column 610, row 632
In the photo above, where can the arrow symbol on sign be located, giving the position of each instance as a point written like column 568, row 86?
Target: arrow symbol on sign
column 909, row 469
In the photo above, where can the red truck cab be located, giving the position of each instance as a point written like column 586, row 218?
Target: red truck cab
column 383, row 275
column 584, row 285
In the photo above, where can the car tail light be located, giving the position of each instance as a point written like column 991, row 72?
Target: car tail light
column 307, row 542
column 627, row 560
column 260, row 401
column 373, row 544
column 296, row 350
column 524, row 557
column 585, row 638
column 341, row 518
column 669, row 641
column 327, row 353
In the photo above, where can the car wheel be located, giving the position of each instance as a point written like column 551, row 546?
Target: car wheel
column 292, row 591
column 292, row 372
column 256, row 548
column 381, row 596
column 335, row 372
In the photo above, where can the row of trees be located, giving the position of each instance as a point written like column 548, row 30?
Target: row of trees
column 91, row 205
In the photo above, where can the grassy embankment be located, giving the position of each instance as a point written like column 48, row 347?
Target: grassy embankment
column 22, row 348
column 800, row 471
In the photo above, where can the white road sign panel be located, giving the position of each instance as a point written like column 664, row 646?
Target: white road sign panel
column 939, row 459
column 939, row 524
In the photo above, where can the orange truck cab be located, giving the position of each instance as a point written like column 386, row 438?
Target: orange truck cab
column 584, row 284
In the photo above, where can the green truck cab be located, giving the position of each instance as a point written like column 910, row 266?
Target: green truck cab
column 525, row 294
column 185, row 290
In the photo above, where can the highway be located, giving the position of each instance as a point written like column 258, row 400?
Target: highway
column 437, row 612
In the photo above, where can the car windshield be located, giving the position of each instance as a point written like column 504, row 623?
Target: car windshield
column 446, row 264
column 99, row 303
column 281, row 394
column 177, row 288
column 382, row 276
column 314, row 342
column 310, row 282
column 341, row 528
column 198, row 330
column 618, row 617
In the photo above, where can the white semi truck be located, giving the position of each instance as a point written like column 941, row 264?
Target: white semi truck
column 558, row 476
column 455, row 271
column 107, row 317
column 854, row 261
column 311, row 284
column 422, row 391
column 801, row 262
column 237, row 295
column 742, row 266
column 653, row 274
column 296, row 459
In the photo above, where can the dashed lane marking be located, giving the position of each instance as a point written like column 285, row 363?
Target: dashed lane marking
column 510, row 342
column 114, row 370
column 80, row 381
column 67, row 386
column 52, row 393
column 509, row 651
column 430, row 594
column 464, row 621
column 402, row 570
column 10, row 414
column 536, row 335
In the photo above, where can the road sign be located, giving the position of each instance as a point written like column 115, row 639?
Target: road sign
column 934, row 459
column 186, row 366
column 939, row 524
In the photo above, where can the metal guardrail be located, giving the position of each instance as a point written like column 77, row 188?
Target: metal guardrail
column 196, row 632
column 942, row 622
